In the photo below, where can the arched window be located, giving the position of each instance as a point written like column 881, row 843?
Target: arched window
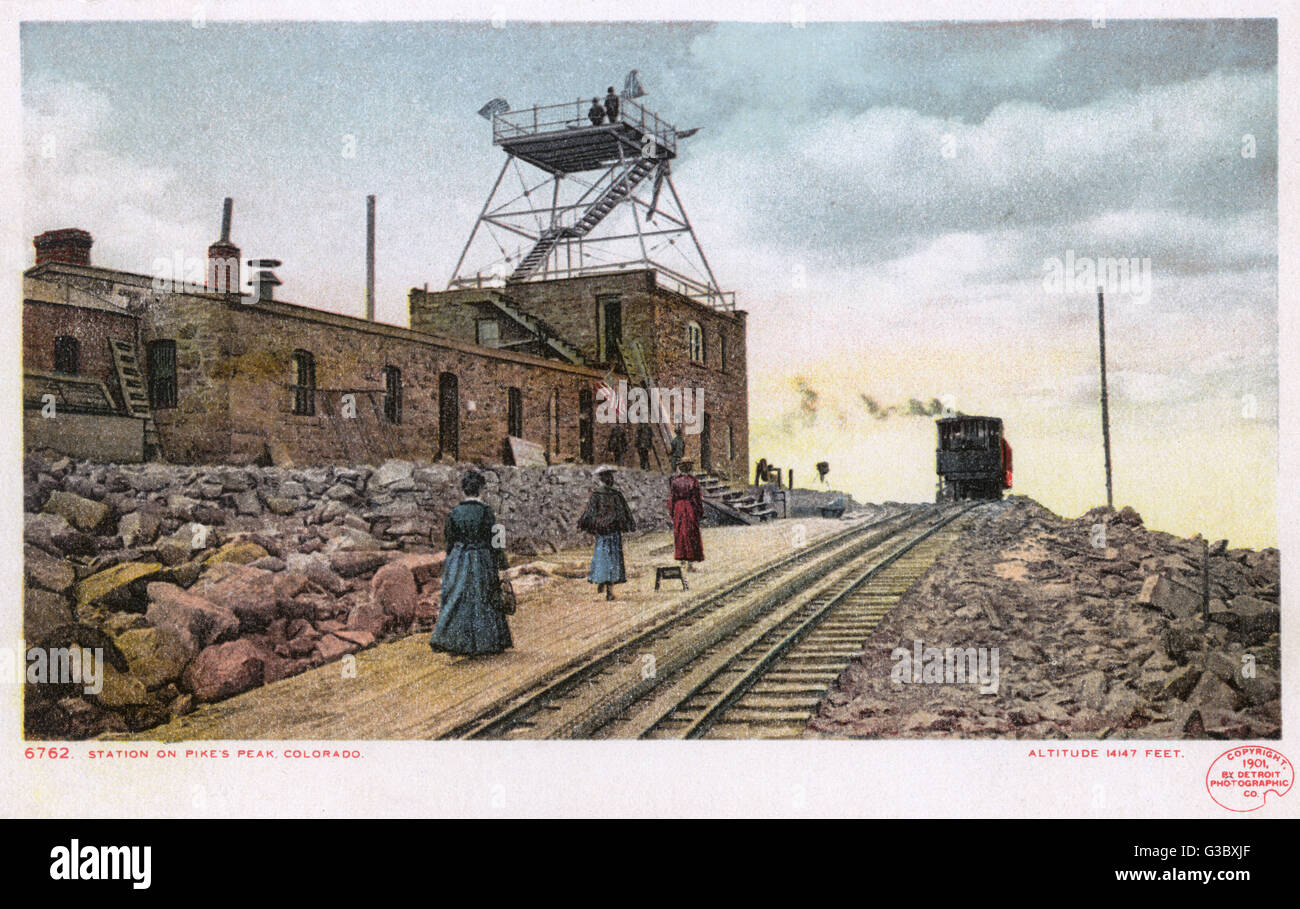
column 695, row 342
column 67, row 355
column 392, row 394
column 304, row 383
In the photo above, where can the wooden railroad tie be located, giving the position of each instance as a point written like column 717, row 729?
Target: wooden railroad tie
column 668, row 572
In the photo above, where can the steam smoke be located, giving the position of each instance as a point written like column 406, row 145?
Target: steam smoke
column 914, row 407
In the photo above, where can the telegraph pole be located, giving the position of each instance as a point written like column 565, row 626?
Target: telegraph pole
column 1105, row 398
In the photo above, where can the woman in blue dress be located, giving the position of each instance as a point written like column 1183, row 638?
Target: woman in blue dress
column 607, row 518
column 471, row 620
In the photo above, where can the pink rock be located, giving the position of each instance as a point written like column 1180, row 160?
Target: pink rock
column 367, row 616
column 332, row 647
column 424, row 567
column 222, row 670
column 193, row 617
column 362, row 639
column 393, row 590
column 247, row 592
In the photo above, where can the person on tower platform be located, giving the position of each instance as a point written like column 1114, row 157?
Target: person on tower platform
column 596, row 113
column 611, row 106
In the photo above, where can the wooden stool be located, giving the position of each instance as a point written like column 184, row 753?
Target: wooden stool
column 669, row 572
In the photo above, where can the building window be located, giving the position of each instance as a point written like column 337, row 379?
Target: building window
column 67, row 355
column 515, row 415
column 731, row 442
column 695, row 342
column 161, row 360
column 722, row 352
column 304, row 383
column 488, row 332
column 392, row 394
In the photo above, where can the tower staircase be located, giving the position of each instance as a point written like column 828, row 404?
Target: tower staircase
column 620, row 189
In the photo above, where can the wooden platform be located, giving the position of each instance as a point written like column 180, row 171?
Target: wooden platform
column 403, row 690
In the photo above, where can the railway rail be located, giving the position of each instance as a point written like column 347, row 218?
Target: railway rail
column 753, row 652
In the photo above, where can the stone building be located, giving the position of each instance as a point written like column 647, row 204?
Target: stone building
column 119, row 364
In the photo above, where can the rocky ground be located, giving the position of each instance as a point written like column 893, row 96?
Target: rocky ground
column 198, row 583
column 1098, row 629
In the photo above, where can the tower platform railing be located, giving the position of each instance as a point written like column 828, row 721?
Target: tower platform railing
column 572, row 115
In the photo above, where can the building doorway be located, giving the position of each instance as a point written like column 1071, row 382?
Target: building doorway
column 586, row 426
column 706, row 436
column 449, row 416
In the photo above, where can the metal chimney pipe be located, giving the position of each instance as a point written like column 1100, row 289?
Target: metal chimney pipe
column 370, row 258
column 226, row 209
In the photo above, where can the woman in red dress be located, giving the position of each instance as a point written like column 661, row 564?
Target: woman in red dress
column 686, row 507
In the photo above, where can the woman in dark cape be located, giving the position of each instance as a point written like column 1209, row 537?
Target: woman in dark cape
column 607, row 518
column 471, row 620
column 686, row 507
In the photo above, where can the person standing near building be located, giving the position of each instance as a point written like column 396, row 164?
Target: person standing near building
column 596, row 112
column 645, row 440
column 686, row 508
column 611, row 106
column 472, row 620
column 607, row 518
column 617, row 445
column 677, row 450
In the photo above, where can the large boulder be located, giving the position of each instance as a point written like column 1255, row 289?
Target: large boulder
column 393, row 473
column 350, row 563
column 120, row 587
column 368, row 616
column 44, row 571
column 56, row 536
column 120, row 691
column 138, row 527
column 156, row 655
column 84, row 514
column 223, row 670
column 189, row 615
column 238, row 552
column 394, row 590
column 247, row 592
column 43, row 611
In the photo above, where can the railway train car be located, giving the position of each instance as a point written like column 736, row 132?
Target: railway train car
column 974, row 459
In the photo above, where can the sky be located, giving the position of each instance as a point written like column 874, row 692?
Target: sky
column 885, row 199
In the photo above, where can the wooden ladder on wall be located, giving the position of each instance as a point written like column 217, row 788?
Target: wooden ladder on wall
column 634, row 362
column 130, row 379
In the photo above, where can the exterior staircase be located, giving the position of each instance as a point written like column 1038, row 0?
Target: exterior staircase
column 622, row 187
column 733, row 506
column 126, row 363
column 542, row 331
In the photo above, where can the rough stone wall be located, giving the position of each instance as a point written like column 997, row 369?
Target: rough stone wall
column 198, row 428
column 198, row 583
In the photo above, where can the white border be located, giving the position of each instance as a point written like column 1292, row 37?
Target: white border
column 806, row 778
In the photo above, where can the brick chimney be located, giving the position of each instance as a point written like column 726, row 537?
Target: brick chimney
column 70, row 245
column 223, row 258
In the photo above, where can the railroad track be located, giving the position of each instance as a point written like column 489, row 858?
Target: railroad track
column 610, row 694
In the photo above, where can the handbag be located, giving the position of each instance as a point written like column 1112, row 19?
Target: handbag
column 509, row 602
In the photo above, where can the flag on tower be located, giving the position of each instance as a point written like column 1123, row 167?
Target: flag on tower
column 494, row 107
column 632, row 86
